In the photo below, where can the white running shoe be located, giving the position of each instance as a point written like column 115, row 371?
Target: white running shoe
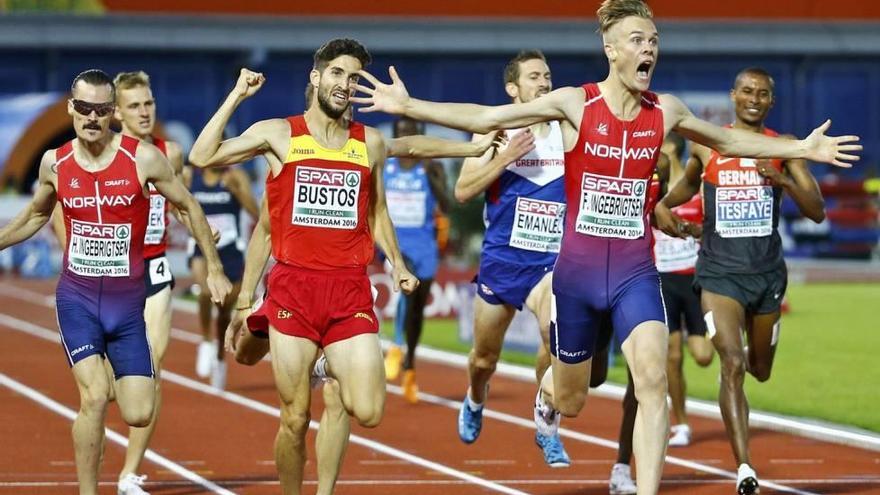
column 681, row 436
column 747, row 481
column 131, row 484
column 546, row 418
column 218, row 375
column 319, row 372
column 621, row 482
column 205, row 357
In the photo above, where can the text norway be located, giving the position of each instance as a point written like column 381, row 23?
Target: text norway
column 92, row 201
column 616, row 152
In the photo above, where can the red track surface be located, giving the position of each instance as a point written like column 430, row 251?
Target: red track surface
column 231, row 444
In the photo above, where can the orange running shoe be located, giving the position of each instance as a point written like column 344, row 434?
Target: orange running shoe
column 392, row 363
column 410, row 389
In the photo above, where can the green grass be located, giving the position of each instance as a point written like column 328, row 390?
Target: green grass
column 826, row 364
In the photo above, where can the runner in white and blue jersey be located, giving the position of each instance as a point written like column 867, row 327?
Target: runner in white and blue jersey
column 414, row 190
column 524, row 213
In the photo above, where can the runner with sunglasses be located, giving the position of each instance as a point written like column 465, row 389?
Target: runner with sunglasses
column 100, row 178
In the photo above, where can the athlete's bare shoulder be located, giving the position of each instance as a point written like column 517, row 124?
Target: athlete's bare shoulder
column 49, row 167
column 375, row 146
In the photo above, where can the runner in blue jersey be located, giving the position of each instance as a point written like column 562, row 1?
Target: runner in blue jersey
column 222, row 195
column 524, row 211
column 414, row 189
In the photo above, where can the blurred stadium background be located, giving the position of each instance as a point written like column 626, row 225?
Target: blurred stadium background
column 823, row 56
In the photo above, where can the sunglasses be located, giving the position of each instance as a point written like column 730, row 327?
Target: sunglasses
column 85, row 108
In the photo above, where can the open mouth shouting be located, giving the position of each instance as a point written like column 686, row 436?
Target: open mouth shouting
column 643, row 71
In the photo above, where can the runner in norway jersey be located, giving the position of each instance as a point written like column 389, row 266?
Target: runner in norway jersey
column 606, row 262
column 318, row 205
column 100, row 293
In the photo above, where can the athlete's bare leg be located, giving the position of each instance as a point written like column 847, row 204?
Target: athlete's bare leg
column 627, row 422
column 728, row 317
column 293, row 358
column 763, row 334
column 490, row 324
column 645, row 351
column 675, row 377
column 332, row 438
column 251, row 349
column 88, row 427
column 565, row 386
column 358, row 365
column 538, row 302
column 157, row 315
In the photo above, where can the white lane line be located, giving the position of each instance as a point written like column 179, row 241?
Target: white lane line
column 826, row 432
column 114, row 437
column 416, row 482
column 45, row 333
column 582, row 437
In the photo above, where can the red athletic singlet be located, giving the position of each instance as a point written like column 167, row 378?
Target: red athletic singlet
column 105, row 214
column 607, row 177
column 156, row 240
column 318, row 203
column 741, row 215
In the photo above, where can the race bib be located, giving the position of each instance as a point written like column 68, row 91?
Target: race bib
column 156, row 222
column 159, row 271
column 673, row 254
column 537, row 225
column 227, row 225
column 745, row 211
column 99, row 250
column 612, row 207
column 326, row 198
column 407, row 208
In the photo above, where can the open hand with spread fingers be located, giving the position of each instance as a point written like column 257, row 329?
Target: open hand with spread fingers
column 830, row 149
column 389, row 98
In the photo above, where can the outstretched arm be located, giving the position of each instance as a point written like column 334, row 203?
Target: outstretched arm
column 738, row 142
column 393, row 98
column 38, row 211
column 429, row 147
column 153, row 167
column 477, row 174
column 209, row 151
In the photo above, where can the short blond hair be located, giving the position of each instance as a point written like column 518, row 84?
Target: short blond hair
column 613, row 11
column 128, row 80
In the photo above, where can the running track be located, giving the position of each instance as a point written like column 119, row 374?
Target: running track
column 210, row 442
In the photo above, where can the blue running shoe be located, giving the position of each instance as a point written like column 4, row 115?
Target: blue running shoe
column 470, row 422
column 554, row 453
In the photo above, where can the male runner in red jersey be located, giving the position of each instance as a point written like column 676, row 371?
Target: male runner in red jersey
column 612, row 133
column 326, row 204
column 740, row 268
column 101, row 179
column 136, row 111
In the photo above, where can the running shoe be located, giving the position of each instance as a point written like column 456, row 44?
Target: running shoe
column 319, row 372
column 681, row 436
column 747, row 480
column 546, row 418
column 621, row 482
column 218, row 375
column 554, row 452
column 410, row 389
column 131, row 484
column 205, row 356
column 470, row 421
column 393, row 359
